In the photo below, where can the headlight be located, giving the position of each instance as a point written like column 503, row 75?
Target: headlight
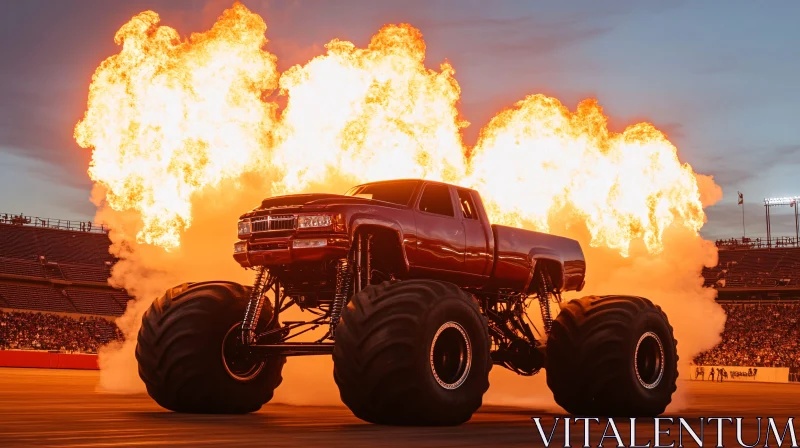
column 239, row 247
column 312, row 221
column 244, row 227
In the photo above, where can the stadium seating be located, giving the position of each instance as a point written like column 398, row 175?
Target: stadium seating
column 26, row 268
column 45, row 272
column 39, row 298
column 94, row 302
column 89, row 273
column 73, row 247
column 17, row 242
column 26, row 242
column 755, row 268
column 121, row 298
column 56, row 270
column 53, row 271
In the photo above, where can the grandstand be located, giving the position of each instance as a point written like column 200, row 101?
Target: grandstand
column 56, row 266
column 756, row 270
column 758, row 285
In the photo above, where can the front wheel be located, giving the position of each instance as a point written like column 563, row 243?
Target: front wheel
column 612, row 356
column 190, row 353
column 415, row 352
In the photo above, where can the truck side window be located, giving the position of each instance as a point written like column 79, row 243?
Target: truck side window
column 467, row 204
column 436, row 199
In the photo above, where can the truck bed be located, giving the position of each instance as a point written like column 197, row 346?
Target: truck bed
column 517, row 250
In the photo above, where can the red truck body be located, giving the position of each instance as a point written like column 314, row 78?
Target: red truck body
column 442, row 230
column 415, row 295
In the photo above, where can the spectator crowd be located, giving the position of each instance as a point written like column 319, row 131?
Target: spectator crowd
column 42, row 331
column 757, row 335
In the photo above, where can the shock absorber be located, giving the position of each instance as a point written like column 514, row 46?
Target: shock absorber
column 344, row 284
column 358, row 263
column 544, row 303
column 254, row 306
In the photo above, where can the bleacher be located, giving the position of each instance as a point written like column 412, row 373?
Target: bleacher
column 29, row 243
column 94, row 302
column 57, row 266
column 16, row 242
column 87, row 273
column 121, row 298
column 756, row 270
column 40, row 298
column 15, row 266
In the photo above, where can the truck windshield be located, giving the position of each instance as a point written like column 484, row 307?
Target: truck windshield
column 396, row 192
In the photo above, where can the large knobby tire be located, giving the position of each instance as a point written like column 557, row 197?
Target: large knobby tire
column 180, row 351
column 612, row 356
column 414, row 352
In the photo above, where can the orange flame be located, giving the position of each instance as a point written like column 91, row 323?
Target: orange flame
column 537, row 157
column 370, row 114
column 166, row 118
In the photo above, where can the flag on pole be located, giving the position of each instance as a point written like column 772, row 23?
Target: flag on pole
column 741, row 198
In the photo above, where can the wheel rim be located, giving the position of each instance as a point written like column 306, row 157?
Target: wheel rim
column 451, row 355
column 236, row 357
column 649, row 360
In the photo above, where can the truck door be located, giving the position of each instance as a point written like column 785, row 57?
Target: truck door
column 440, row 234
column 476, row 253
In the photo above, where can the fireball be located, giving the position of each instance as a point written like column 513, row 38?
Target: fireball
column 538, row 157
column 167, row 117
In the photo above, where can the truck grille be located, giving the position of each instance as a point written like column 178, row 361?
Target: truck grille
column 273, row 223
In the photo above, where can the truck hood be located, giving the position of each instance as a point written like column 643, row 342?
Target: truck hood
column 296, row 200
column 310, row 202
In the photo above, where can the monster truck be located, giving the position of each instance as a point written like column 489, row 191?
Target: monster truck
column 418, row 296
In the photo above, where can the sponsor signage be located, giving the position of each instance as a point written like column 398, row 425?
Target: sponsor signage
column 736, row 373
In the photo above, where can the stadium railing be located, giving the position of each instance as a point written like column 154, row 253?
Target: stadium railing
column 756, row 243
column 50, row 223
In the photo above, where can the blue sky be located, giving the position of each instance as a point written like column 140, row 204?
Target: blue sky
column 720, row 78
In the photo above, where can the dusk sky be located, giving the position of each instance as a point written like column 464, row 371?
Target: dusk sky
column 721, row 79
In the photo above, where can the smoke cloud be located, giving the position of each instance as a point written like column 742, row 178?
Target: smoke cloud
column 366, row 114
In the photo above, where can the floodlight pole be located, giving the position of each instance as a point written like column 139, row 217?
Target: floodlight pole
column 769, row 233
column 796, row 225
column 744, row 232
column 791, row 201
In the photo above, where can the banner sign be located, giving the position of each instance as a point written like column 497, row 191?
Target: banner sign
column 737, row 373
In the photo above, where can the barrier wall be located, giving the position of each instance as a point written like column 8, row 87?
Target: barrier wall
column 738, row 373
column 47, row 360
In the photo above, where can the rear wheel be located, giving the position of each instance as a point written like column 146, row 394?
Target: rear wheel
column 612, row 356
column 414, row 352
column 190, row 353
